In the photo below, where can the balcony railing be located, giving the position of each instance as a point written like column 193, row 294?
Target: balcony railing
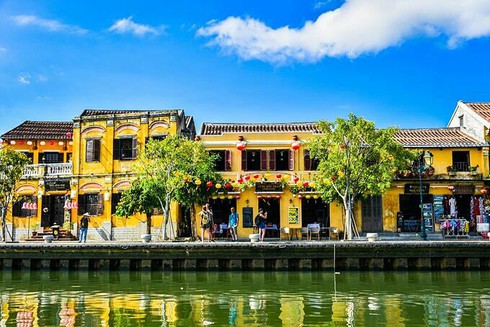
column 461, row 166
column 47, row 170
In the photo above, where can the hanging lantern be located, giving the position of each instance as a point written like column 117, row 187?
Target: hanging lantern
column 269, row 196
column 450, row 188
column 234, row 184
column 295, row 145
column 21, row 142
column 278, row 196
column 259, row 196
column 312, row 184
column 218, row 186
column 287, row 177
column 24, row 205
column 237, row 197
column 29, row 142
column 214, row 197
column 278, row 176
column 34, row 206
column 12, row 142
column 295, row 180
column 241, row 146
column 198, row 182
column 42, row 143
column 69, row 134
column 51, row 142
column 484, row 191
column 308, row 196
column 240, row 180
column 315, row 196
column 267, row 175
column 230, row 197
column 228, row 185
column 256, row 176
column 300, row 196
column 61, row 143
column 247, row 177
column 299, row 184
column 222, row 197
column 209, row 184
column 305, row 184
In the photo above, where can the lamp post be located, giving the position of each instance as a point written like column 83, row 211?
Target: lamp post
column 425, row 160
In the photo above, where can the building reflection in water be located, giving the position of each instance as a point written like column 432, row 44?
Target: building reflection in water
column 238, row 299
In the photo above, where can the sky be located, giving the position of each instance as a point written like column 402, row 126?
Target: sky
column 395, row 62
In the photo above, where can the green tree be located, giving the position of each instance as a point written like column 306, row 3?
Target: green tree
column 177, row 169
column 12, row 164
column 356, row 160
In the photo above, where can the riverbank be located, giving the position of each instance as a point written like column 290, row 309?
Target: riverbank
column 460, row 254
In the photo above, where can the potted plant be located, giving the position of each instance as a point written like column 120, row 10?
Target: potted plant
column 430, row 171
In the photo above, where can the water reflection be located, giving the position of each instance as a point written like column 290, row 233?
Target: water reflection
column 237, row 299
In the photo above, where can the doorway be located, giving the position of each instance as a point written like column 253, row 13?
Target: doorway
column 221, row 209
column 410, row 209
column 53, row 210
column 315, row 211
column 273, row 209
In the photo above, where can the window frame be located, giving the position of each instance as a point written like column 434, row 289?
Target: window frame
column 92, row 150
column 87, row 203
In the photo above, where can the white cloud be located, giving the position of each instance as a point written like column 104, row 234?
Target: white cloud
column 357, row 27
column 47, row 24
column 128, row 26
column 2, row 50
column 24, row 78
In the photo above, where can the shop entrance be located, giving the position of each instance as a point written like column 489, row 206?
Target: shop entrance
column 315, row 211
column 410, row 209
column 272, row 207
column 184, row 229
column 463, row 205
column 53, row 210
column 221, row 209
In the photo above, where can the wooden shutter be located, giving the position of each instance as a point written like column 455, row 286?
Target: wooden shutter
column 291, row 159
column 81, row 204
column 40, row 158
column 272, row 160
column 116, row 151
column 307, row 160
column 89, row 151
column 244, row 160
column 100, row 205
column 96, row 150
column 227, row 160
column 263, row 159
column 134, row 148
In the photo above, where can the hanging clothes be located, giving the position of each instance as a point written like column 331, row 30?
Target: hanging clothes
column 452, row 207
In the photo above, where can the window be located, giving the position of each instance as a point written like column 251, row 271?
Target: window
column 461, row 121
column 18, row 207
column 125, row 148
column 116, row 197
column 372, row 215
column 267, row 160
column 91, row 203
column 222, row 160
column 461, row 161
column 50, row 157
column 92, row 150
column 310, row 163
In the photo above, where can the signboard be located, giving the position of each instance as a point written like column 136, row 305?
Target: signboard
column 247, row 217
column 267, row 187
column 293, row 215
column 415, row 188
column 464, row 189
column 57, row 185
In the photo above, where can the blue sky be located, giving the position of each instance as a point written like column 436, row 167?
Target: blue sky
column 396, row 62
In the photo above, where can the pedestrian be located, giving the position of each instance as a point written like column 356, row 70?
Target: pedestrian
column 84, row 227
column 209, row 211
column 260, row 221
column 205, row 223
column 233, row 224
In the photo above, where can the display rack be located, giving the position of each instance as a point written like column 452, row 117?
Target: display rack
column 455, row 228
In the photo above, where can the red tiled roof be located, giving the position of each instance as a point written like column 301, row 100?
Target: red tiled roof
column 451, row 137
column 97, row 112
column 40, row 130
column 481, row 108
column 218, row 128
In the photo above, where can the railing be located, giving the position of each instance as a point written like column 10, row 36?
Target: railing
column 461, row 166
column 59, row 169
column 47, row 170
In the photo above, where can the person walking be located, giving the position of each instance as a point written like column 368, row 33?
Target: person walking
column 261, row 223
column 84, row 227
column 233, row 224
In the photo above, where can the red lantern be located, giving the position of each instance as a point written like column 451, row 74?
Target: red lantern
column 300, row 196
column 247, row 177
column 256, row 176
column 21, row 142
column 295, row 145
column 209, row 184
column 278, row 196
column 296, row 179
column 51, row 143
column 69, row 134
column 240, row 180
column 269, row 196
column 237, row 197
column 228, row 185
column 278, row 175
column 259, row 196
column 305, row 184
column 24, row 205
column 241, row 146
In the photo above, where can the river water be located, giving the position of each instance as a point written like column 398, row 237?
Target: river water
column 244, row 298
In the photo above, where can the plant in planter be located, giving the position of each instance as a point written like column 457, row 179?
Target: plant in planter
column 473, row 169
column 430, row 171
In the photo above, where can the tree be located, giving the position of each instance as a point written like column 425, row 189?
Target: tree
column 175, row 168
column 356, row 160
column 12, row 164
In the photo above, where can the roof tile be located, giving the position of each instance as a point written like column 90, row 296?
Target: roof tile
column 40, row 130
column 481, row 108
column 220, row 128
column 452, row 137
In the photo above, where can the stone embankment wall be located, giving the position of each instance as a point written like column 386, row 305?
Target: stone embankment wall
column 196, row 256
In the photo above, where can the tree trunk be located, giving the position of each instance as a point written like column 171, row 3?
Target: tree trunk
column 148, row 223
column 165, row 221
column 348, row 219
column 193, row 222
column 3, row 224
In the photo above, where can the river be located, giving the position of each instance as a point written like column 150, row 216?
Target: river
column 62, row 298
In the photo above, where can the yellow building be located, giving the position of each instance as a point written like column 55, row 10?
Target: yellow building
column 45, row 185
column 107, row 144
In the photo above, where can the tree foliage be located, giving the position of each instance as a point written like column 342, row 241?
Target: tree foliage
column 356, row 160
column 177, row 169
column 12, row 164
